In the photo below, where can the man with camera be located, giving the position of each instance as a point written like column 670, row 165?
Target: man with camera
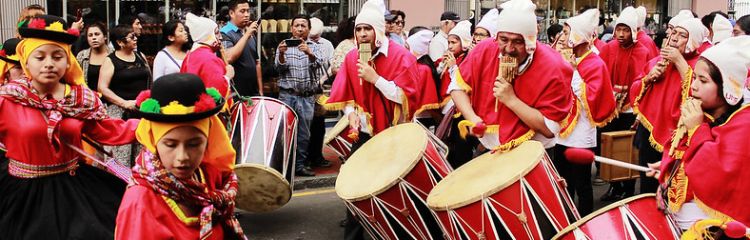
column 238, row 38
column 299, row 64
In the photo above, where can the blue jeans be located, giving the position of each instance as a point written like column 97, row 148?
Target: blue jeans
column 304, row 107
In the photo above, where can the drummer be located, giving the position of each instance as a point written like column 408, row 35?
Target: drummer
column 10, row 67
column 595, row 105
column 529, row 106
column 183, row 184
column 709, row 181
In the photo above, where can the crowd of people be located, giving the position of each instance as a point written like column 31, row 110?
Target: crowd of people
column 484, row 86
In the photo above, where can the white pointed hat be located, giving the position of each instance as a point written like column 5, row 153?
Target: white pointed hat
column 518, row 17
column 732, row 58
column 641, row 16
column 316, row 26
column 419, row 42
column 582, row 26
column 696, row 33
column 629, row 17
column 489, row 22
column 722, row 28
column 201, row 28
column 463, row 31
column 373, row 14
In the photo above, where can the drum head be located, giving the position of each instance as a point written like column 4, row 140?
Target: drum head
column 336, row 130
column 587, row 218
column 380, row 162
column 484, row 176
column 261, row 189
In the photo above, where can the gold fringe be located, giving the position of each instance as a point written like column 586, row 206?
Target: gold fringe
column 427, row 107
column 699, row 230
column 515, row 142
column 586, row 108
column 686, row 80
column 337, row 106
column 713, row 213
column 677, row 192
column 464, row 126
column 461, row 83
column 445, row 101
column 568, row 126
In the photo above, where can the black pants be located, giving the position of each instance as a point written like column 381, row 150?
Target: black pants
column 317, row 133
column 578, row 178
column 460, row 151
column 647, row 154
column 353, row 230
column 623, row 122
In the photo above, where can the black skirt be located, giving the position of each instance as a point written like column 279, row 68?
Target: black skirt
column 83, row 206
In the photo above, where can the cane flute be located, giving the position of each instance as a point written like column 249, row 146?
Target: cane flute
column 681, row 130
column 506, row 71
column 365, row 53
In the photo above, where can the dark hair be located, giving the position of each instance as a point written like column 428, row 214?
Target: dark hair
column 35, row 7
column 302, row 16
column 233, row 4
column 169, row 29
column 118, row 33
column 102, row 27
column 552, row 32
column 416, row 29
column 398, row 13
column 709, row 18
column 345, row 29
column 128, row 20
column 744, row 23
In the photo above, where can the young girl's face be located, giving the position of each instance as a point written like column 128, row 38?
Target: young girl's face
column 181, row 151
column 454, row 45
column 705, row 89
column 47, row 64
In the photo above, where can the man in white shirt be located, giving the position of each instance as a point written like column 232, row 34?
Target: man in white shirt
column 439, row 43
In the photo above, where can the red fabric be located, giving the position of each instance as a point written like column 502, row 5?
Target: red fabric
column 704, row 46
column 427, row 83
column 645, row 40
column 717, row 165
column 624, row 64
column 599, row 95
column 23, row 130
column 541, row 86
column 660, row 104
column 210, row 68
column 599, row 44
column 445, row 79
column 399, row 66
column 144, row 214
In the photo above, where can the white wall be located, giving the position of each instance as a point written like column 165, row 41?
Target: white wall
column 9, row 11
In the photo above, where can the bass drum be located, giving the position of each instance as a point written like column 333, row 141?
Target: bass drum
column 264, row 134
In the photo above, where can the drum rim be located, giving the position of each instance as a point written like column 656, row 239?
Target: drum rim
column 470, row 200
column 336, row 130
column 272, row 173
column 385, row 187
column 599, row 212
column 240, row 103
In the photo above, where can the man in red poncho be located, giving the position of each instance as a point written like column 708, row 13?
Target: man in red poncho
column 529, row 106
column 643, row 37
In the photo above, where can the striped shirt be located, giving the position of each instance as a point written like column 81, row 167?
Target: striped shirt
column 298, row 74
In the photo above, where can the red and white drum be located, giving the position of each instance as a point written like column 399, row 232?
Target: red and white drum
column 512, row 195
column 385, row 182
column 338, row 141
column 264, row 133
column 633, row 218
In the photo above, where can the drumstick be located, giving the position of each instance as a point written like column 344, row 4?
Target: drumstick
column 735, row 229
column 584, row 156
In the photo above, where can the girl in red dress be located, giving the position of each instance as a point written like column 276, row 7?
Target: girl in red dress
column 184, row 183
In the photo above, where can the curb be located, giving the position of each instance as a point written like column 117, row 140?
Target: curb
column 321, row 181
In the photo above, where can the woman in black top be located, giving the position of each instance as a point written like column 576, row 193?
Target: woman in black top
column 123, row 75
column 91, row 58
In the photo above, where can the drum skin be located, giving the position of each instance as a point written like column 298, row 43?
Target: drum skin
column 512, row 195
column 385, row 183
column 264, row 133
column 633, row 218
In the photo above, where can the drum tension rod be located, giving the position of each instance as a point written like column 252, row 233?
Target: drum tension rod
column 404, row 212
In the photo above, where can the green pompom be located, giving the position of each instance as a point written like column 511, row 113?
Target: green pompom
column 214, row 94
column 150, row 106
column 21, row 23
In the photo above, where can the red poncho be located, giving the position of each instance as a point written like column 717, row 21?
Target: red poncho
column 600, row 100
column 624, row 64
column 210, row 68
column 398, row 66
column 703, row 47
column 146, row 214
column 428, row 88
column 599, row 44
column 544, row 85
column 658, row 107
column 445, row 80
column 717, row 168
column 645, row 40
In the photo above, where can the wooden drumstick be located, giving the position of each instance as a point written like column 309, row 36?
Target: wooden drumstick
column 585, row 156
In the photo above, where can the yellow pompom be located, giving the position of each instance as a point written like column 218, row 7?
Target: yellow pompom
column 56, row 26
column 175, row 108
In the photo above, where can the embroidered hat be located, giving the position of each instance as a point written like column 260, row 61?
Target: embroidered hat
column 732, row 58
column 629, row 17
column 582, row 27
column 419, row 42
column 518, row 17
column 179, row 97
column 489, row 22
column 8, row 51
column 48, row 27
column 697, row 33
column 722, row 29
column 463, row 32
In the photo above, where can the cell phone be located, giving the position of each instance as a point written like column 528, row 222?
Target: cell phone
column 79, row 14
column 293, row 42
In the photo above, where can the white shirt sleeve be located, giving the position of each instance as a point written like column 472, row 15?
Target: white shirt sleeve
column 389, row 90
column 160, row 64
column 436, row 49
column 453, row 86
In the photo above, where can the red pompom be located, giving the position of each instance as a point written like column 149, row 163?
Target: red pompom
column 142, row 97
column 2, row 53
column 735, row 229
column 204, row 103
column 579, row 155
column 353, row 134
column 74, row 32
column 479, row 129
column 37, row 23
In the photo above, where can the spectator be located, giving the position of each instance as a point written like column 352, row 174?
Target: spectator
column 239, row 39
column 345, row 35
column 316, row 30
column 134, row 22
column 552, row 32
column 32, row 10
column 742, row 26
column 317, row 126
column 92, row 58
column 439, row 43
column 169, row 59
column 396, row 32
column 298, row 68
column 123, row 75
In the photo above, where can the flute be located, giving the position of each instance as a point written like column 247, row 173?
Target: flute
column 681, row 130
column 506, row 71
column 365, row 53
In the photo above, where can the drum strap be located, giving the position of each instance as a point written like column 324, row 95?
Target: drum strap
column 662, row 199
